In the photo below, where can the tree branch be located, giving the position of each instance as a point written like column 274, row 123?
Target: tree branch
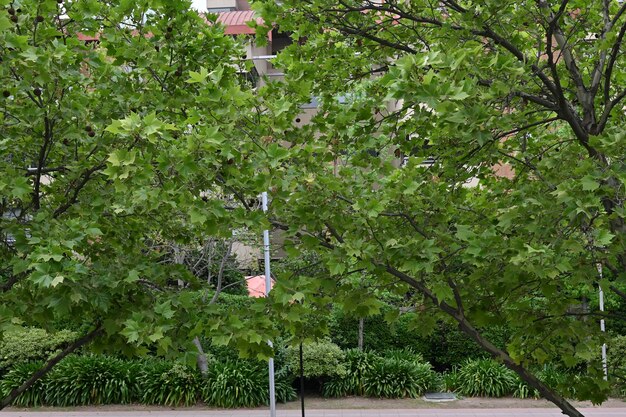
column 220, row 273
column 85, row 177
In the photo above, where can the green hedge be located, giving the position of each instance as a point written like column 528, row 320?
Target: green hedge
column 399, row 375
column 322, row 360
column 165, row 383
column 33, row 397
column 98, row 380
column 31, row 344
column 90, row 380
column 485, row 378
column 616, row 356
column 444, row 348
column 243, row 384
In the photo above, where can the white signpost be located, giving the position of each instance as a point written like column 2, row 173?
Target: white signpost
column 268, row 287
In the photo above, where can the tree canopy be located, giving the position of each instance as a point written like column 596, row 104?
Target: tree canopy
column 532, row 87
column 122, row 124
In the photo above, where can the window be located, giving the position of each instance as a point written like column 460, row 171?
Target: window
column 417, row 151
column 216, row 10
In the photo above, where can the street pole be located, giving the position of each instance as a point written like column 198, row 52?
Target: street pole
column 602, row 327
column 301, row 379
column 268, row 287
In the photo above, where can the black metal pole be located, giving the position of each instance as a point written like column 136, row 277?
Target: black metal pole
column 301, row 380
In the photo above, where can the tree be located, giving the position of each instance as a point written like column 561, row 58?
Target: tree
column 121, row 124
column 481, row 86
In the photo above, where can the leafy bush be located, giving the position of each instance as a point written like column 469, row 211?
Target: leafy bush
column 553, row 377
column 284, row 391
column 378, row 335
column 166, row 383
column 485, row 378
column 451, row 379
column 616, row 358
column 446, row 347
column 86, row 380
column 31, row 344
column 236, row 384
column 407, row 354
column 394, row 378
column 523, row 390
column 322, row 360
column 21, row 372
column 338, row 387
column 358, row 363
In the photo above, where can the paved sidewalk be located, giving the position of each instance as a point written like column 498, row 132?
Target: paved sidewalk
column 469, row 412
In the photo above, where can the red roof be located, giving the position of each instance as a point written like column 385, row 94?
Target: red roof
column 235, row 22
column 256, row 286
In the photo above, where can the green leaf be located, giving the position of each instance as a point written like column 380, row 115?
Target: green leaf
column 5, row 23
column 197, row 217
column 197, row 77
column 589, row 183
column 57, row 280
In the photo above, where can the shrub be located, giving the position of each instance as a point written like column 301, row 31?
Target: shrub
column 616, row 358
column 553, row 377
column 284, row 391
column 236, row 384
column 338, row 387
column 557, row 379
column 523, row 390
column 31, row 344
column 451, row 379
column 166, row 383
column 407, row 354
column 93, row 379
column 357, row 363
column 322, row 360
column 393, row 378
column 378, row 335
column 485, row 378
column 32, row 397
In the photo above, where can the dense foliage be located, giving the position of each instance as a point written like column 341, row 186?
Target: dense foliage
column 242, row 384
column 35, row 396
column 98, row 379
column 163, row 383
column 397, row 374
column 31, row 344
column 322, row 360
column 85, row 380
column 120, row 132
column 420, row 101
column 485, row 378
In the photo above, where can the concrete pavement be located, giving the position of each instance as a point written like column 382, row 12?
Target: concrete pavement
column 469, row 412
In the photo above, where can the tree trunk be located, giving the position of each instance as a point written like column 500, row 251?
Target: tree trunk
column 361, row 326
column 201, row 360
column 466, row 327
column 526, row 376
column 49, row 365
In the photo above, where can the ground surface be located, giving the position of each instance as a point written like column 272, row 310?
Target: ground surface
column 344, row 407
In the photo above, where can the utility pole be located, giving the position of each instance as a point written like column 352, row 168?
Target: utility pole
column 268, row 287
column 301, row 379
column 602, row 327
